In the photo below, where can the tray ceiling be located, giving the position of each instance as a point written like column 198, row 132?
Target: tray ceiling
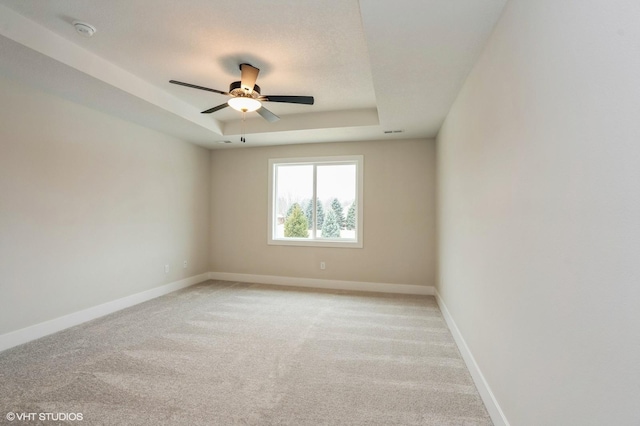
column 371, row 66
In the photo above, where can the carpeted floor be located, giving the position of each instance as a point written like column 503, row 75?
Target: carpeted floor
column 223, row 353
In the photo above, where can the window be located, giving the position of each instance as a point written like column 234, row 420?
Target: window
column 316, row 201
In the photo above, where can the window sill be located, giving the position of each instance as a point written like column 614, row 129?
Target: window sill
column 316, row 243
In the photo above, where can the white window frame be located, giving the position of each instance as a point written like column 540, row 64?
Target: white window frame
column 358, row 160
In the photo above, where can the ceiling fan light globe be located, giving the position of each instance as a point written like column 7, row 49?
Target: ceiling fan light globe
column 244, row 104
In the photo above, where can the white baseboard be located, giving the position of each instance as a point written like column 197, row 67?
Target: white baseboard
column 497, row 416
column 24, row 335
column 325, row 284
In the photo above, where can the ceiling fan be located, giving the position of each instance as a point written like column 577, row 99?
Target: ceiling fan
column 246, row 97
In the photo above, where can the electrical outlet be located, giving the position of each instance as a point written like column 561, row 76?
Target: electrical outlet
column 184, row 264
column 323, row 266
column 166, row 269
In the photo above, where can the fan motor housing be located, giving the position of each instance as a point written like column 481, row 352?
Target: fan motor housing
column 235, row 89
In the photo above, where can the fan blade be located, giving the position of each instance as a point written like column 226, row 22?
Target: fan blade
column 214, row 109
column 248, row 76
column 267, row 115
column 198, row 87
column 306, row 100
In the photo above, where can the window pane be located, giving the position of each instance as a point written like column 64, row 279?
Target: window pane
column 336, row 191
column 328, row 189
column 294, row 191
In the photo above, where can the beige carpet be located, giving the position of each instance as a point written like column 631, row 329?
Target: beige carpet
column 223, row 353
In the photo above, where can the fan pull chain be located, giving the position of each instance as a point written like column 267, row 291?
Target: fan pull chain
column 242, row 138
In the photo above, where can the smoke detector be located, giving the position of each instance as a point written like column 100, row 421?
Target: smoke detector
column 84, row 29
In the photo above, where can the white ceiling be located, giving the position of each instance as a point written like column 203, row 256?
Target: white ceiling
column 371, row 65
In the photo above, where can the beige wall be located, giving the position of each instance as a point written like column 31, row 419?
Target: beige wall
column 539, row 212
column 399, row 215
column 91, row 207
